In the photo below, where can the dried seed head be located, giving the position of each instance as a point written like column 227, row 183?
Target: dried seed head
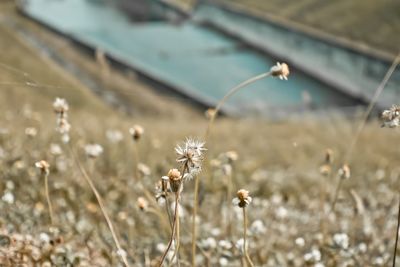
column 31, row 132
column 328, row 156
column 175, row 180
column 136, row 131
column 280, row 70
column 227, row 169
column 44, row 166
column 93, row 150
column 143, row 169
column 231, row 156
column 242, row 198
column 190, row 155
column 344, row 172
column 210, row 113
column 391, row 117
column 325, row 170
column 60, row 105
column 161, row 188
column 142, row 203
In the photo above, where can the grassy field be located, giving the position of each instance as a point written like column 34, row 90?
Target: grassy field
column 290, row 221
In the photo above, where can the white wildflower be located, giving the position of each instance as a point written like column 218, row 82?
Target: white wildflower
column 313, row 256
column 341, row 240
column 391, row 117
column 8, row 197
column 60, row 105
column 114, row 136
column 300, row 242
column 258, row 227
column 190, row 155
column 31, row 131
column 55, row 149
column 93, row 150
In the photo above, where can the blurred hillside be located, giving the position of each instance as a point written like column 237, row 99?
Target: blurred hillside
column 370, row 22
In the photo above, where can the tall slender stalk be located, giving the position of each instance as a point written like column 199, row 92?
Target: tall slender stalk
column 397, row 237
column 228, row 196
column 175, row 234
column 336, row 195
column 101, row 205
column 46, row 186
column 173, row 230
column 136, row 159
column 217, row 108
column 246, row 254
column 371, row 105
column 364, row 119
column 194, row 215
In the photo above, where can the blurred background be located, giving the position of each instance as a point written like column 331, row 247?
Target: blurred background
column 161, row 64
column 132, row 52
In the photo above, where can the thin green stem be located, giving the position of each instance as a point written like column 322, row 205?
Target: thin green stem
column 246, row 254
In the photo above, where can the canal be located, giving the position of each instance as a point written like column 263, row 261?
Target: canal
column 196, row 60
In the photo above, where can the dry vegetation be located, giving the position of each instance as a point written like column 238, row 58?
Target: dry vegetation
column 290, row 221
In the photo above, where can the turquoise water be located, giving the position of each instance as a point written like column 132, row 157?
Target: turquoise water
column 202, row 63
column 354, row 72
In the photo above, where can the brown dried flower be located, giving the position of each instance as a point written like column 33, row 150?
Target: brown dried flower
column 136, row 131
column 175, row 179
column 280, row 70
column 210, row 113
column 44, row 166
column 142, row 203
column 328, row 156
column 344, row 172
column 325, row 170
column 242, row 198
column 231, row 156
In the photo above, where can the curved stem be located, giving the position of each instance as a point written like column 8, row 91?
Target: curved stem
column 219, row 105
column 397, row 237
column 228, row 95
column 46, row 186
column 245, row 238
column 102, row 207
